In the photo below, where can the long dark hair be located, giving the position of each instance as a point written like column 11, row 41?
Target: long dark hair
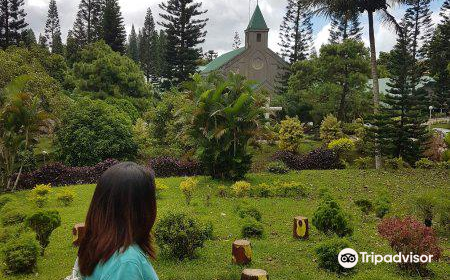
column 122, row 213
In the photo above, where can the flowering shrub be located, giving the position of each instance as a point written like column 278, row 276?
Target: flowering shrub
column 169, row 166
column 40, row 194
column 241, row 188
column 290, row 134
column 321, row 159
column 160, row 188
column 57, row 174
column 409, row 235
column 187, row 187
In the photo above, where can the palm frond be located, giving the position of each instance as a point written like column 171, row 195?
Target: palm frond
column 389, row 20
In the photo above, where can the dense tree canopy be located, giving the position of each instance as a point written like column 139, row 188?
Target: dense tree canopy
column 103, row 72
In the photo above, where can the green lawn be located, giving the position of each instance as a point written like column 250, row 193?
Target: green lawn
column 282, row 256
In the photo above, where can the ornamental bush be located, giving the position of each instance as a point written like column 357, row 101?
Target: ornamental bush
column 330, row 129
column 124, row 106
column 179, row 236
column 247, row 211
column 395, row 163
column 330, row 218
column 65, row 198
column 251, row 228
column 343, row 147
column 12, row 217
column 43, row 223
column 328, row 251
column 382, row 205
column 290, row 134
column 365, row 205
column 407, row 236
column 94, row 131
column 21, row 254
column 187, row 187
column 241, row 188
column 364, row 162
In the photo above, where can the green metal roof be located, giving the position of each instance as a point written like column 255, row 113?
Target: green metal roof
column 384, row 87
column 257, row 22
column 222, row 60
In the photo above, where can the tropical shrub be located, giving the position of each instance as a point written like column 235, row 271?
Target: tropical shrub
column 424, row 163
column 43, row 223
column 125, row 106
column 330, row 218
column 225, row 119
column 66, row 197
column 247, row 211
column 180, row 236
column 170, row 167
column 290, row 134
column 407, row 236
column 21, row 254
column 241, row 188
column 328, row 251
column 187, row 187
column 251, row 228
column 277, row 167
column 364, row 162
column 94, row 131
column 319, row 159
column 330, row 129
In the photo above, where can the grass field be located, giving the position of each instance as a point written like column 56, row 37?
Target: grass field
column 283, row 257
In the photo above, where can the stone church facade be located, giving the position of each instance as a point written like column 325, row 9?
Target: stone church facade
column 256, row 60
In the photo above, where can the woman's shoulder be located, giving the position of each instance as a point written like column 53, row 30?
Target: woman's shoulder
column 132, row 254
column 134, row 261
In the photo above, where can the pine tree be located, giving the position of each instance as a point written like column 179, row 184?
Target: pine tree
column 438, row 59
column 57, row 45
column 419, row 26
column 88, row 23
column 43, row 41
column 147, row 47
column 237, row 41
column 28, row 37
column 345, row 26
column 400, row 125
column 185, row 31
column 296, row 38
column 210, row 55
column 114, row 32
column 12, row 22
column 52, row 26
column 161, row 49
column 72, row 49
column 133, row 49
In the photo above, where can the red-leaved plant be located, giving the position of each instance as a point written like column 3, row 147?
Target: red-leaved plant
column 410, row 236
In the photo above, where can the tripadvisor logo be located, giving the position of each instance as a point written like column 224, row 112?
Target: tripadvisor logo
column 348, row 258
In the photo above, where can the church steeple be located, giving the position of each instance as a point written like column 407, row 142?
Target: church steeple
column 257, row 32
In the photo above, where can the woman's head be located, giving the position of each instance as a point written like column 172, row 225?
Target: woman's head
column 122, row 212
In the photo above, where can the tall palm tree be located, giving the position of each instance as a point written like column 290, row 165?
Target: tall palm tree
column 333, row 7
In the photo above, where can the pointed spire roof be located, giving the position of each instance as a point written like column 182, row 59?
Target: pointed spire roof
column 257, row 21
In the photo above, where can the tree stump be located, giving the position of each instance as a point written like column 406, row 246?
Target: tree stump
column 78, row 233
column 242, row 252
column 254, row 274
column 301, row 227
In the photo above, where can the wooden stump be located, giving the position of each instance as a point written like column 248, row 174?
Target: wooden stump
column 78, row 232
column 254, row 274
column 242, row 252
column 301, row 227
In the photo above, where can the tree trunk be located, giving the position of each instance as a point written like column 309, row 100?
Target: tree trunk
column 254, row 274
column 301, row 228
column 242, row 252
column 375, row 82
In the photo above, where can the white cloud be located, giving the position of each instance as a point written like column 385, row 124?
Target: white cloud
column 322, row 37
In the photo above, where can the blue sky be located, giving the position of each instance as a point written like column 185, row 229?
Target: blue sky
column 225, row 17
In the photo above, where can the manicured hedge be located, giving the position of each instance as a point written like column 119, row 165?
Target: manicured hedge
column 58, row 174
column 170, row 167
column 319, row 159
